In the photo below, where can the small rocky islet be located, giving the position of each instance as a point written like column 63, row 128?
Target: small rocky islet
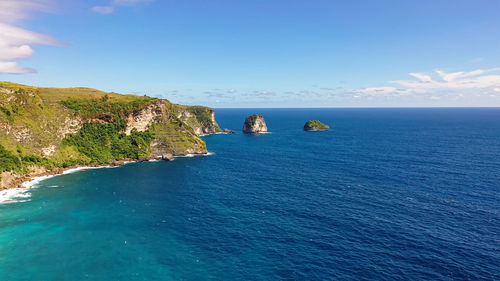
column 255, row 124
column 315, row 125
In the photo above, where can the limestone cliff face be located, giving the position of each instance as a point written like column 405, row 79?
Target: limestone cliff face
column 201, row 119
column 174, row 128
column 171, row 135
column 255, row 124
column 142, row 119
column 42, row 129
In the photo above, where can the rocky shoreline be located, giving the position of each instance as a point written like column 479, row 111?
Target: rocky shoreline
column 22, row 180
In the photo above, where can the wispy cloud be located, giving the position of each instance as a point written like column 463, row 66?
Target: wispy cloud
column 484, row 80
column 130, row 2
column 13, row 68
column 103, row 9
column 12, row 11
column 111, row 7
column 15, row 42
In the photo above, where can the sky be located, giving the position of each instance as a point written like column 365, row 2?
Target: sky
column 260, row 53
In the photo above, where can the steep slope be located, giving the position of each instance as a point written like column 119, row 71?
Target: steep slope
column 200, row 118
column 42, row 129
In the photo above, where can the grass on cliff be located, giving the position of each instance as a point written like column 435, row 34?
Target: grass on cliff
column 27, row 120
column 8, row 161
column 173, row 135
column 104, row 142
column 54, row 95
column 89, row 108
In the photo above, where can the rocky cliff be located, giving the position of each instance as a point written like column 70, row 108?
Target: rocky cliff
column 42, row 129
column 200, row 118
column 255, row 124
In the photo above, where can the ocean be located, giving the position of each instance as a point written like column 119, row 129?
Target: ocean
column 386, row 194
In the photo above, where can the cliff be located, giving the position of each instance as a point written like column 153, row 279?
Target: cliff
column 255, row 124
column 44, row 129
column 200, row 118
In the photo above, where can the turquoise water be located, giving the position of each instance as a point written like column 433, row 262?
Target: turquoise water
column 387, row 194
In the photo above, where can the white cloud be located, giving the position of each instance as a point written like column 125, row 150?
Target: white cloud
column 15, row 52
column 111, row 7
column 483, row 80
column 422, row 77
column 129, row 2
column 15, row 42
column 103, row 9
column 11, row 35
column 14, row 10
column 11, row 67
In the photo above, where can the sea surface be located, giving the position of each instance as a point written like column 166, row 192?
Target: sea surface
column 386, row 194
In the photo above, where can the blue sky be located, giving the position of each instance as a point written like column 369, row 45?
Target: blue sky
column 260, row 53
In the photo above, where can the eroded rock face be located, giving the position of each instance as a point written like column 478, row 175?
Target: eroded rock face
column 255, row 124
column 200, row 119
column 142, row 119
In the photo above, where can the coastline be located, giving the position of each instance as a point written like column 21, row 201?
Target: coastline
column 20, row 189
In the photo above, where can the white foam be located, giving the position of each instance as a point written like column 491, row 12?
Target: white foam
column 217, row 133
column 14, row 195
column 35, row 181
column 193, row 155
column 69, row 171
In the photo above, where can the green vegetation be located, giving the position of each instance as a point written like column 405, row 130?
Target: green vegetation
column 174, row 136
column 312, row 125
column 8, row 161
column 89, row 108
column 11, row 162
column 104, row 142
column 62, row 127
column 251, row 119
column 202, row 116
column 27, row 120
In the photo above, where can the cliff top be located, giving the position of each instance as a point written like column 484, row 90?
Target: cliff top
column 252, row 118
column 52, row 94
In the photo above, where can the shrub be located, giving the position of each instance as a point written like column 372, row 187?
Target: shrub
column 8, row 161
column 104, row 142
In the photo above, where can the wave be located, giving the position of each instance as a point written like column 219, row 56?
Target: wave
column 194, row 155
column 20, row 194
column 14, row 195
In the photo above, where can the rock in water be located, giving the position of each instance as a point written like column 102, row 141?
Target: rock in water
column 315, row 125
column 255, row 124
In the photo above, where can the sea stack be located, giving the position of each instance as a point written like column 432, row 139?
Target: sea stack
column 315, row 125
column 255, row 124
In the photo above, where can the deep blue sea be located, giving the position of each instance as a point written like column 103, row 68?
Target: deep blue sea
column 386, row 194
